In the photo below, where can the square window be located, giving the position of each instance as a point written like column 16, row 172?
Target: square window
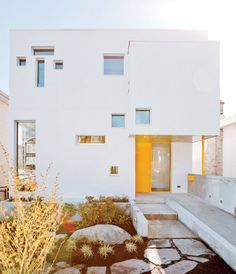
column 114, row 170
column 142, row 116
column 58, row 65
column 21, row 62
column 118, row 120
column 113, row 65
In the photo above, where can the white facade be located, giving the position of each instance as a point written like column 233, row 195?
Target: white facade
column 229, row 146
column 4, row 131
column 174, row 74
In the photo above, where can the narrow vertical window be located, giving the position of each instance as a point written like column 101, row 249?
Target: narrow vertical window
column 26, row 148
column 40, row 73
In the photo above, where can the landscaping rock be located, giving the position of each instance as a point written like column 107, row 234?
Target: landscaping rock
column 161, row 256
column 192, row 247
column 97, row 270
column 198, row 259
column 108, row 234
column 159, row 243
column 132, row 266
column 62, row 265
column 158, row 270
column 61, row 237
column 76, row 269
column 180, row 267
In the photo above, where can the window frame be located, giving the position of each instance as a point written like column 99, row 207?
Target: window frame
column 78, row 136
column 38, row 61
column 56, row 62
column 117, row 56
column 42, row 51
column 143, row 109
column 117, row 114
column 19, row 60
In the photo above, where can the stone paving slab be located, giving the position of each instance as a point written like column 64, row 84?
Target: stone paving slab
column 159, row 243
column 181, row 267
column 198, row 259
column 97, row 270
column 192, row 247
column 168, row 229
column 132, row 266
column 161, row 256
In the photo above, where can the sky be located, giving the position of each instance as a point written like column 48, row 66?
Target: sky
column 216, row 16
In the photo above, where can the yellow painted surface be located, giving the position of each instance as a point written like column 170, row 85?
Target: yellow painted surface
column 191, row 178
column 143, row 166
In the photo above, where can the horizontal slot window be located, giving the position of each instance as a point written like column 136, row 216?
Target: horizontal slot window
column 90, row 139
column 43, row 51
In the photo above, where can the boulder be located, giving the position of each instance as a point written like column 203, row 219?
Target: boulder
column 132, row 266
column 76, row 269
column 107, row 234
column 97, row 270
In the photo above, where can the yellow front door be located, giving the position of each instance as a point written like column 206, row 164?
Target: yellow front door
column 143, row 166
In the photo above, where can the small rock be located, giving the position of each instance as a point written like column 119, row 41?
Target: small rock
column 159, row 243
column 108, row 234
column 132, row 266
column 76, row 269
column 180, row 267
column 62, row 264
column 97, row 270
column 61, row 237
column 198, row 259
column 192, row 247
column 161, row 256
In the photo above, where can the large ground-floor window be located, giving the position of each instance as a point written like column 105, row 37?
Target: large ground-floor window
column 26, row 148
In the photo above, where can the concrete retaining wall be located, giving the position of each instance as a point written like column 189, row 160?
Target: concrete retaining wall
column 216, row 190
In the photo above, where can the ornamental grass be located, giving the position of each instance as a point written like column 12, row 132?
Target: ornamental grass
column 28, row 233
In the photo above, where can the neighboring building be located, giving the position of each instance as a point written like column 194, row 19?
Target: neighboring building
column 4, row 131
column 116, row 111
column 228, row 126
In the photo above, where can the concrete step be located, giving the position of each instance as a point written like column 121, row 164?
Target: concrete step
column 157, row 212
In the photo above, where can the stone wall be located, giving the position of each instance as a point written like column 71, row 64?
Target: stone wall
column 214, row 155
column 216, row 190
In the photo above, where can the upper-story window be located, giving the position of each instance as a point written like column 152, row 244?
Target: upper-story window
column 143, row 116
column 43, row 51
column 21, row 61
column 113, row 64
column 58, row 65
column 118, row 120
column 40, row 73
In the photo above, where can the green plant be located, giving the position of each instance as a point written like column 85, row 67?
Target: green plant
column 86, row 250
column 131, row 247
column 137, row 239
column 70, row 209
column 105, row 250
column 94, row 212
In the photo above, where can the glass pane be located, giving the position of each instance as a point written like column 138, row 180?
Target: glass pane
column 22, row 62
column 26, row 148
column 58, row 65
column 161, row 167
column 40, row 74
column 118, row 120
column 114, row 170
column 113, row 65
column 142, row 116
column 43, row 51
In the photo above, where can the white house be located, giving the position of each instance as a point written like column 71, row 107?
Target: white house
column 116, row 111
column 4, row 132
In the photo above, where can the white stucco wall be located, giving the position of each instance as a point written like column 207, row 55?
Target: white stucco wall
column 4, row 131
column 181, row 164
column 79, row 100
column 229, row 150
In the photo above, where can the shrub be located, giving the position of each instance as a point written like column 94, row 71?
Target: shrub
column 28, row 234
column 137, row 239
column 94, row 212
column 131, row 247
column 105, row 250
column 70, row 209
column 86, row 250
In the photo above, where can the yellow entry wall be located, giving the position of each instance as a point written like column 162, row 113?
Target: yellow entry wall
column 143, row 166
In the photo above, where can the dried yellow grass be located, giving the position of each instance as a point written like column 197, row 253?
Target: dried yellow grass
column 27, row 235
